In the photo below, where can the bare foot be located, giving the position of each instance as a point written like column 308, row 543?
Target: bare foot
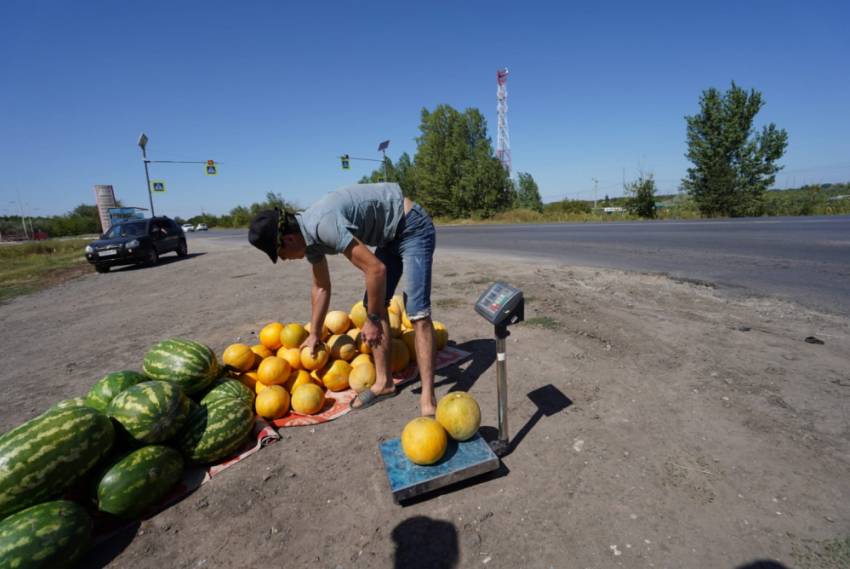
column 386, row 390
column 428, row 405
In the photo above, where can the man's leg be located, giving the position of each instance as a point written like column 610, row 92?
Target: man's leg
column 426, row 357
column 381, row 354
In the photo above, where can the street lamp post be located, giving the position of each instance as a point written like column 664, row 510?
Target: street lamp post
column 143, row 141
column 29, row 215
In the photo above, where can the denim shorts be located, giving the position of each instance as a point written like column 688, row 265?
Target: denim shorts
column 411, row 254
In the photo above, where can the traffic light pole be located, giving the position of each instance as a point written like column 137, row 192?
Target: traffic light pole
column 148, row 178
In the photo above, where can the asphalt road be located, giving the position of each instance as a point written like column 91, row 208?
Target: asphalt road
column 802, row 259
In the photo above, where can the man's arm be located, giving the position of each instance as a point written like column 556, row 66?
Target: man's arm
column 376, row 286
column 321, row 297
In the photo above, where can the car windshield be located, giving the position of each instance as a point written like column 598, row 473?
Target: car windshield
column 126, row 230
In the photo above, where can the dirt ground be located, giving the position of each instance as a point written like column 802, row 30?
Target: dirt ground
column 655, row 423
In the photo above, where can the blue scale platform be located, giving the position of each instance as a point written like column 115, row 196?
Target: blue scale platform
column 461, row 461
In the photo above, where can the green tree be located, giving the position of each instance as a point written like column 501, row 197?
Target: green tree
column 733, row 165
column 527, row 193
column 640, row 196
column 456, row 171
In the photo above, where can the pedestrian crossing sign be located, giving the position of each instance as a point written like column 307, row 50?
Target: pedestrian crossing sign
column 212, row 170
column 158, row 187
column 381, row 179
column 346, row 165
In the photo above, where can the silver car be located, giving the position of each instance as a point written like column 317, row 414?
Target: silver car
column 188, row 227
column 201, row 227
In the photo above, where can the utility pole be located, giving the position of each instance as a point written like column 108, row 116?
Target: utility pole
column 23, row 222
column 595, row 186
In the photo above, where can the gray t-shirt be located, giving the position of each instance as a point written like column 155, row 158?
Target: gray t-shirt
column 370, row 212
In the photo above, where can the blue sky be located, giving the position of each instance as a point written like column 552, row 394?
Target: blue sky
column 275, row 91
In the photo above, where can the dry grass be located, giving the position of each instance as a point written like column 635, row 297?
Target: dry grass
column 29, row 267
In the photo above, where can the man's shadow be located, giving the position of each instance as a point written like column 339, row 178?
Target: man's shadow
column 421, row 542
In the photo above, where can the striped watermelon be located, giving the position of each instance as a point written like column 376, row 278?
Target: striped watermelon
column 137, row 481
column 105, row 389
column 215, row 430
column 52, row 535
column 47, row 455
column 230, row 389
column 151, row 412
column 189, row 365
column 67, row 403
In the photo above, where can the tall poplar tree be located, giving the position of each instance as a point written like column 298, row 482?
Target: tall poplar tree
column 733, row 166
column 457, row 173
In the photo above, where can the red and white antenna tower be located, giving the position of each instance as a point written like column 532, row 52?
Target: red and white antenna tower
column 503, row 146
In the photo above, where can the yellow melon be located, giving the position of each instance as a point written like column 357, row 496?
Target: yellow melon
column 424, row 441
column 362, row 377
column 248, row 379
column 272, row 402
column 334, row 376
column 409, row 339
column 442, row 334
column 358, row 314
column 270, row 335
column 400, row 356
column 308, row 399
column 311, row 363
column 325, row 331
column 259, row 386
column 262, row 351
column 395, row 325
column 337, row 322
column 293, row 335
column 273, row 371
column 459, row 415
column 238, row 357
column 297, row 378
column 360, row 345
column 363, row 359
column 292, row 355
column 396, row 306
column 342, row 347
column 405, row 321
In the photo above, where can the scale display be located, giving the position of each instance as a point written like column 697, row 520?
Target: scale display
column 501, row 304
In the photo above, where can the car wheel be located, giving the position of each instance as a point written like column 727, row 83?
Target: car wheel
column 101, row 268
column 151, row 257
column 182, row 250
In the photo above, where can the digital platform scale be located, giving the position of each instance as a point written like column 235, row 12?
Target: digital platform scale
column 502, row 305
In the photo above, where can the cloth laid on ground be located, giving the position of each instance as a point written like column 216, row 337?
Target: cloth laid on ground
column 336, row 402
column 262, row 434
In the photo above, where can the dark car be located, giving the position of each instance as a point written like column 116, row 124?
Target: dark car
column 136, row 241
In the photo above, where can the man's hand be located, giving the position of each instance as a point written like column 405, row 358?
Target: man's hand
column 373, row 334
column 310, row 342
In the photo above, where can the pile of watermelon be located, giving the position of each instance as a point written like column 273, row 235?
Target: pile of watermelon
column 119, row 451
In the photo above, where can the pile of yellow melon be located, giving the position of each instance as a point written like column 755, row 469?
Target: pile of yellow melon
column 278, row 370
column 424, row 440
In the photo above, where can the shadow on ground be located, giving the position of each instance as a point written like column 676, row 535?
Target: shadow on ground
column 423, row 543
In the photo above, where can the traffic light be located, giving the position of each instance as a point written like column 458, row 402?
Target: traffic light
column 211, row 162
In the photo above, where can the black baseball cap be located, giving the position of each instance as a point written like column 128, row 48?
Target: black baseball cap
column 265, row 231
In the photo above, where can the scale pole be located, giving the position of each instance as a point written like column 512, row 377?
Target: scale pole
column 502, row 391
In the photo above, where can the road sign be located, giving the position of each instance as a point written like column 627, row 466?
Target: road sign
column 158, row 187
column 381, row 179
column 346, row 165
column 212, row 170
